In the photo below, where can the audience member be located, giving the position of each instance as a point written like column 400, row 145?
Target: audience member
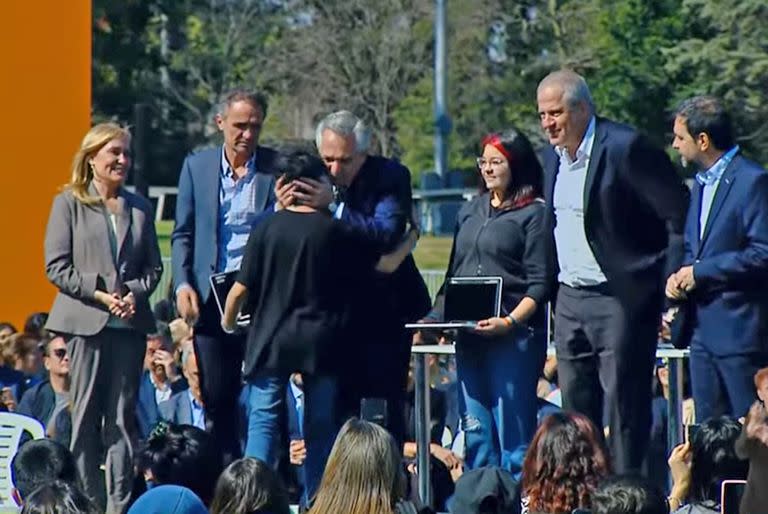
column 364, row 473
column 35, row 326
column 25, row 357
column 101, row 253
column 168, row 499
column 564, row 464
column 699, row 466
column 160, row 380
column 186, row 407
column 59, row 497
column 40, row 461
column 248, row 486
column 628, row 494
column 6, row 331
column 752, row 444
column 182, row 455
column 45, row 400
column 489, row 490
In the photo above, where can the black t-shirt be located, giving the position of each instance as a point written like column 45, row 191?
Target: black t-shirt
column 303, row 272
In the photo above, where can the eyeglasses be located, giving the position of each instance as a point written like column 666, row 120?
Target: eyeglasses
column 496, row 162
column 60, row 353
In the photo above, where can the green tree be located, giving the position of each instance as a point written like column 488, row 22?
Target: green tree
column 725, row 53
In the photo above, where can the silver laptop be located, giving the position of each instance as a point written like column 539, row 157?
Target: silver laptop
column 221, row 283
column 467, row 301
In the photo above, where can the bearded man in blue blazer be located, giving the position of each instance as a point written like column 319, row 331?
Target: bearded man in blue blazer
column 725, row 267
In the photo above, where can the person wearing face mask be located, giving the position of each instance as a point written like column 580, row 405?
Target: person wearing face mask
column 499, row 233
column 614, row 220
column 101, row 253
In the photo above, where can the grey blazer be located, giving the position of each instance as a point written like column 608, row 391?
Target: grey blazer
column 177, row 409
column 78, row 261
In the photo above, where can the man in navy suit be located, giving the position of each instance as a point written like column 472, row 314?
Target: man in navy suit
column 725, row 267
column 372, row 195
column 616, row 210
column 222, row 191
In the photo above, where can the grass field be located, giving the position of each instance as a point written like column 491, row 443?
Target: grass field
column 431, row 253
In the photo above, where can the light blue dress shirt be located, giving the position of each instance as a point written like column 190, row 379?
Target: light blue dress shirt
column 237, row 212
column 578, row 266
column 198, row 411
column 709, row 180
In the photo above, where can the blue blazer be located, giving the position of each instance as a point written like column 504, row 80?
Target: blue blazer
column 177, row 409
column 147, row 412
column 194, row 241
column 730, row 262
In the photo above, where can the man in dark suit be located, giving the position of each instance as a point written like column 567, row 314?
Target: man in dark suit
column 725, row 266
column 616, row 210
column 221, row 193
column 372, row 195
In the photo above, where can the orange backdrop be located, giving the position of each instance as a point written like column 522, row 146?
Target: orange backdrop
column 45, row 94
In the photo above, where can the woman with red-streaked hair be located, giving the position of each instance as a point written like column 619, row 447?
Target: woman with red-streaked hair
column 564, row 463
column 500, row 234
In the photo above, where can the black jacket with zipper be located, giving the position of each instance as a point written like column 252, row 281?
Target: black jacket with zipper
column 509, row 244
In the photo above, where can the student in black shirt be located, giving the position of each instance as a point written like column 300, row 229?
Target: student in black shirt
column 302, row 271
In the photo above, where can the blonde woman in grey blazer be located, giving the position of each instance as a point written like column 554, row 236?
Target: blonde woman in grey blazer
column 101, row 253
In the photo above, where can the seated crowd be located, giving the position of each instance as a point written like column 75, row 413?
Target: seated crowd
column 567, row 468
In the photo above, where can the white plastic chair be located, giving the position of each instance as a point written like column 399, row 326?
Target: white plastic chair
column 12, row 426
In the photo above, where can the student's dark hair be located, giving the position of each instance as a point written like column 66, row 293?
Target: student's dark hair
column 294, row 163
column 182, row 455
column 248, row 486
column 8, row 324
column 526, row 175
column 58, row 497
column 714, row 458
column 707, row 114
column 35, row 324
column 39, row 461
column 628, row 494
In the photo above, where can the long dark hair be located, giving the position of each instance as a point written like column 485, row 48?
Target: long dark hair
column 526, row 182
column 249, row 486
column 564, row 463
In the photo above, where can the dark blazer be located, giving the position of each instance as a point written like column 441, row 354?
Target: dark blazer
column 730, row 261
column 194, row 241
column 38, row 402
column 147, row 412
column 378, row 204
column 634, row 212
column 176, row 409
column 78, row 261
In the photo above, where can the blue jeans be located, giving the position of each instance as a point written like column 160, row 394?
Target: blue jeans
column 497, row 396
column 266, row 404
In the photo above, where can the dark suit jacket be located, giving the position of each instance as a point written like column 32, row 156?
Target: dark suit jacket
column 730, row 262
column 177, row 409
column 378, row 205
column 755, row 496
column 634, row 213
column 79, row 260
column 147, row 412
column 194, row 241
column 38, row 402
